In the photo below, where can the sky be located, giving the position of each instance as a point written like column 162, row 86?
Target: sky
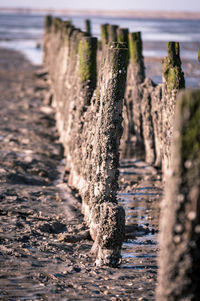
column 170, row 5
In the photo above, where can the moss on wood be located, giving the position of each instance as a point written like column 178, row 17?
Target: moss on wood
column 87, row 59
column 135, row 47
column 198, row 56
column 104, row 34
column 171, row 68
column 189, row 106
column 112, row 33
column 122, row 35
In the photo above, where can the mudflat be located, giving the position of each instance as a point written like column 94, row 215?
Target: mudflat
column 44, row 243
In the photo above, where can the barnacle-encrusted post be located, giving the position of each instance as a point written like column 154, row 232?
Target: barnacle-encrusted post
column 173, row 81
column 107, row 218
column 179, row 258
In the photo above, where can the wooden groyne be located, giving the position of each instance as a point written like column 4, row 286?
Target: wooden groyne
column 89, row 115
column 148, row 108
column 94, row 84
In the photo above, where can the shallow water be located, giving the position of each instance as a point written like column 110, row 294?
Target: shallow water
column 140, row 195
column 24, row 31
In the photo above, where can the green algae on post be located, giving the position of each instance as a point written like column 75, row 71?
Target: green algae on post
column 198, row 56
column 112, row 33
column 135, row 47
column 87, row 51
column 122, row 35
column 104, row 34
column 171, row 68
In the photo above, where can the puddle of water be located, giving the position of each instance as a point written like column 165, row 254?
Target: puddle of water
column 141, row 204
column 141, row 194
column 140, row 267
column 127, row 255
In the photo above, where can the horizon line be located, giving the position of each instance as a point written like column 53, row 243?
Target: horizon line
column 112, row 13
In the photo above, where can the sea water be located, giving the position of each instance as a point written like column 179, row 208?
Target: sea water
column 24, row 32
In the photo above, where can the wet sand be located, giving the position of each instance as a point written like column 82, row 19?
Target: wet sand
column 44, row 243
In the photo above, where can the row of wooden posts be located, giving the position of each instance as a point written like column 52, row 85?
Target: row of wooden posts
column 90, row 80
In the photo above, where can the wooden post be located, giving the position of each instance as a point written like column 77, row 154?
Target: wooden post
column 136, row 73
column 179, row 258
column 88, row 27
column 173, row 81
column 48, row 23
column 112, row 33
column 107, row 218
column 171, row 69
column 87, row 51
column 104, row 34
column 122, row 35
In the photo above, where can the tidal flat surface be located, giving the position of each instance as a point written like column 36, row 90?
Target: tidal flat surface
column 44, row 243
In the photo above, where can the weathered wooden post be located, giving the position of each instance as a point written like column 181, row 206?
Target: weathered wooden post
column 104, row 34
column 133, row 95
column 57, row 24
column 48, row 23
column 82, row 80
column 87, row 51
column 179, row 258
column 88, row 26
column 122, row 35
column 173, row 81
column 90, row 128
column 107, row 224
column 112, row 33
column 136, row 56
column 147, row 90
column 173, row 76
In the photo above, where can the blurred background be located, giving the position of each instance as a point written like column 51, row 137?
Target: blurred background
column 21, row 27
